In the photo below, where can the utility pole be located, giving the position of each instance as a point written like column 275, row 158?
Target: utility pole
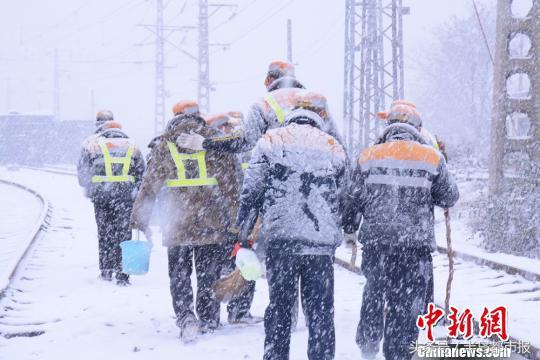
column 203, row 58
column 373, row 75
column 204, row 85
column 159, row 111
column 56, row 92
column 289, row 41
column 509, row 108
column 158, row 29
column 514, row 167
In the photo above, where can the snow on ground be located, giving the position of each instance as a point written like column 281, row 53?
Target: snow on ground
column 58, row 292
column 463, row 239
column 19, row 211
column 476, row 286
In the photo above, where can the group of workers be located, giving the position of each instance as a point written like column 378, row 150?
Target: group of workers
column 297, row 197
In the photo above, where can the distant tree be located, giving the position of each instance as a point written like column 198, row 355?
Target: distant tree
column 453, row 83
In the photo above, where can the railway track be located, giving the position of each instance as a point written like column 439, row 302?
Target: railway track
column 492, row 281
column 504, row 282
column 39, row 227
column 12, row 298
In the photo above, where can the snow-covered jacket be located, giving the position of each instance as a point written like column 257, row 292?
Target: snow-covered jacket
column 394, row 188
column 294, row 180
column 92, row 163
column 262, row 117
column 197, row 199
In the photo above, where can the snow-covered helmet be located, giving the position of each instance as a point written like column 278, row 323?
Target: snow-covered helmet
column 102, row 116
column 225, row 121
column 182, row 110
column 402, row 111
column 185, row 107
column 278, row 69
column 310, row 108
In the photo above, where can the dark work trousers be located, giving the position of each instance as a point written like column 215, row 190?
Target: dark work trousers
column 208, row 262
column 316, row 273
column 113, row 224
column 239, row 306
column 399, row 278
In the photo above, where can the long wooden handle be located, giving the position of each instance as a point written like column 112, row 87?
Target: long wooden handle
column 450, row 260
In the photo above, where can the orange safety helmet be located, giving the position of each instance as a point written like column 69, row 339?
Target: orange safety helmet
column 278, row 69
column 102, row 116
column 402, row 111
column 225, row 121
column 315, row 102
column 185, row 107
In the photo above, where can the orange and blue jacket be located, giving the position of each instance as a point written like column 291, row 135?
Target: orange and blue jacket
column 394, row 188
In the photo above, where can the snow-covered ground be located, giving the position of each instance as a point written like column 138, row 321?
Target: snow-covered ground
column 82, row 317
column 463, row 238
column 57, row 293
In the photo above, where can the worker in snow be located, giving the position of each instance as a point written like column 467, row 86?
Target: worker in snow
column 394, row 188
column 238, row 308
column 268, row 113
column 283, row 94
column 293, row 179
column 196, row 191
column 110, row 169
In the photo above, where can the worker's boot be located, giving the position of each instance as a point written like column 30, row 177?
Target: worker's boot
column 189, row 328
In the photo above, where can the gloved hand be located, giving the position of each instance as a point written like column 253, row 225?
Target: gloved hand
column 191, row 141
column 350, row 238
column 148, row 235
column 237, row 247
column 144, row 228
column 248, row 263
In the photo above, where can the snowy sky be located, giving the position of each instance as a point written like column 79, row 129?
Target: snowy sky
column 103, row 50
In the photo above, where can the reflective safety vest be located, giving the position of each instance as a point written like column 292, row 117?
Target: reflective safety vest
column 280, row 113
column 428, row 136
column 244, row 165
column 181, row 180
column 109, row 160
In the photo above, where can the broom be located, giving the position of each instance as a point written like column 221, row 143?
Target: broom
column 234, row 284
column 229, row 287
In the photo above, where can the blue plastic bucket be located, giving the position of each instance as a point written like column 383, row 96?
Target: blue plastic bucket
column 135, row 256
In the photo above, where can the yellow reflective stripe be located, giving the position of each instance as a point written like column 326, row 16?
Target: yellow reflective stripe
column 109, row 160
column 275, row 106
column 181, row 181
column 127, row 164
column 244, row 166
column 107, row 157
column 121, row 178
